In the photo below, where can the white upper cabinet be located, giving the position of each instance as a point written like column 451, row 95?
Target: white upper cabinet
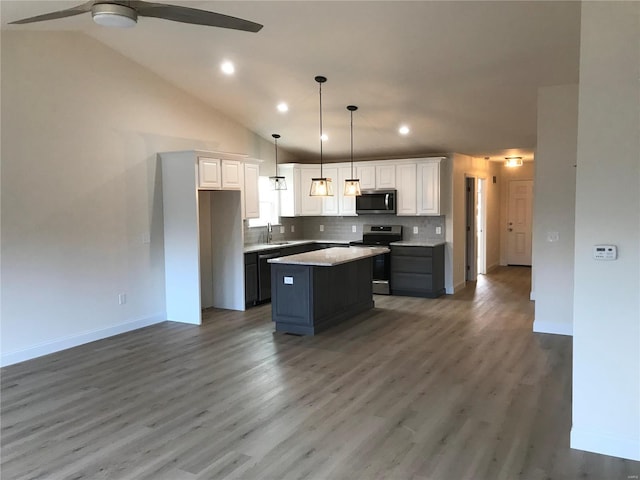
column 417, row 181
column 330, row 205
column 367, row 176
column 428, row 188
column 386, row 176
column 295, row 200
column 232, row 175
column 406, row 178
column 209, row 173
column 251, row 192
column 346, row 205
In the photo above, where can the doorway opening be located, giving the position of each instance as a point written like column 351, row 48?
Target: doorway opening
column 476, row 218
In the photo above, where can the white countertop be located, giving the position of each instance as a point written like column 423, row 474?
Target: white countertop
column 408, row 243
column 259, row 247
column 328, row 257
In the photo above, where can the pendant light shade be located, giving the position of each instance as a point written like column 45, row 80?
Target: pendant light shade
column 352, row 185
column 277, row 182
column 321, row 186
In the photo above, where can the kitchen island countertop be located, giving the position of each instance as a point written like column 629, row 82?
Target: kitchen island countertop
column 329, row 257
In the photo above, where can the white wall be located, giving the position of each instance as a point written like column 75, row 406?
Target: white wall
column 606, row 324
column 81, row 190
column 554, row 208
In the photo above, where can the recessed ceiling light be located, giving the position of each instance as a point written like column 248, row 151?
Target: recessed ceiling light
column 283, row 107
column 227, row 68
column 404, row 130
column 324, row 137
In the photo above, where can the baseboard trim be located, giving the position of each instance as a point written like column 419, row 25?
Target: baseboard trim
column 605, row 444
column 555, row 328
column 492, row 267
column 75, row 340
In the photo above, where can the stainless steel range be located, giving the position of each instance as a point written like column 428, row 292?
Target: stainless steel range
column 376, row 235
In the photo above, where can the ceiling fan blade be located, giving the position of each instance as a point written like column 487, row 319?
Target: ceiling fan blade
column 69, row 12
column 193, row 15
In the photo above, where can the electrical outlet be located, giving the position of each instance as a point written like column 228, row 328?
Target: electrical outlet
column 122, row 298
column 322, row 228
column 553, row 236
column 353, row 229
column 293, row 228
column 438, row 230
column 146, row 238
column 415, row 230
column 281, row 229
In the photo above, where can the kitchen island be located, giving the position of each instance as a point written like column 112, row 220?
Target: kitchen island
column 313, row 291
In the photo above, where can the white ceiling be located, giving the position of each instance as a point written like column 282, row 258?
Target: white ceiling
column 463, row 75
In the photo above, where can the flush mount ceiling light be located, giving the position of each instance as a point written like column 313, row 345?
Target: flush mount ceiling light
column 277, row 182
column 321, row 186
column 114, row 15
column 283, row 107
column 512, row 161
column 352, row 185
column 227, row 68
column 404, row 130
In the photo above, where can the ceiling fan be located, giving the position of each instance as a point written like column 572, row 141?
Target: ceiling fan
column 125, row 14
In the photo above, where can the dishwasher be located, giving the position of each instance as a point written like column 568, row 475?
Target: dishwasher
column 264, row 275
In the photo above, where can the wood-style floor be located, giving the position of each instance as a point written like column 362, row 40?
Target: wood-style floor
column 453, row 388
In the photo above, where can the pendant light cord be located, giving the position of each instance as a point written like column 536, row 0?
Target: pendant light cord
column 320, row 83
column 351, row 111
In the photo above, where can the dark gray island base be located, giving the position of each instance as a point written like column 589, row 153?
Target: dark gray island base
column 313, row 291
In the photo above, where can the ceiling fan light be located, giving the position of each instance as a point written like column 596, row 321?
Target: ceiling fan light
column 114, row 15
column 321, row 187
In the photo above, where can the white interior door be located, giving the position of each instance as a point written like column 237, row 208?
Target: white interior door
column 481, row 222
column 471, row 240
column 519, row 222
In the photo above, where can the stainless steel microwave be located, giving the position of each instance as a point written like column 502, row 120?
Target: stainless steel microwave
column 376, row 201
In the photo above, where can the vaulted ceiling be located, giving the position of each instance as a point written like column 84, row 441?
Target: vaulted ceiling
column 462, row 75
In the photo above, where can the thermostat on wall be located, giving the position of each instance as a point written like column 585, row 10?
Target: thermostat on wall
column 605, row 252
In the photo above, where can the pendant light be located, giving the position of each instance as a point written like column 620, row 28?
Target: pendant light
column 321, row 186
column 352, row 185
column 278, row 182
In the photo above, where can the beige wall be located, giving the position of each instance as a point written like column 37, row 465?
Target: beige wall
column 81, row 189
column 554, row 208
column 606, row 321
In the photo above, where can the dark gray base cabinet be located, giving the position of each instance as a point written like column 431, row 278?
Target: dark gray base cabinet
column 253, row 276
column 308, row 299
column 417, row 271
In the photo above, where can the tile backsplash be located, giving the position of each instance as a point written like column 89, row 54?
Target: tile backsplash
column 341, row 228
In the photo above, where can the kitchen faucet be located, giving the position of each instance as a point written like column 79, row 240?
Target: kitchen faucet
column 269, row 232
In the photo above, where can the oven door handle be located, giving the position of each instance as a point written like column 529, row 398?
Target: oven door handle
column 386, row 201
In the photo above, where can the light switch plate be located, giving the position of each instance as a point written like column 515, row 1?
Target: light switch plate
column 281, row 229
column 353, row 229
column 293, row 228
column 415, row 230
column 322, row 228
column 438, row 230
